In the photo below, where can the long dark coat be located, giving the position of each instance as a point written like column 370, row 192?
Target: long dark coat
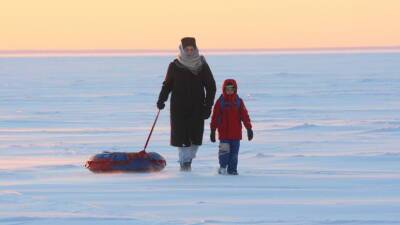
column 192, row 96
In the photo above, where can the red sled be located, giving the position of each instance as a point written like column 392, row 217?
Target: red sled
column 128, row 161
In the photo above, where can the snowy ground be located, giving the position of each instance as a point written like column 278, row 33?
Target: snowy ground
column 326, row 147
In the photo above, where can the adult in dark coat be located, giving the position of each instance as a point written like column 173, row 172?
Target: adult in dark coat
column 191, row 83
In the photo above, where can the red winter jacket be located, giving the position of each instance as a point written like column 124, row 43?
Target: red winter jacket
column 227, row 116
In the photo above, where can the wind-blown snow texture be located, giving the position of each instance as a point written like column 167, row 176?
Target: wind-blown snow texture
column 326, row 147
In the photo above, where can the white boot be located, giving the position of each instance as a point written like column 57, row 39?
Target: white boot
column 186, row 155
column 222, row 171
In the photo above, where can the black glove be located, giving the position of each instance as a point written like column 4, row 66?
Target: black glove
column 160, row 105
column 206, row 112
column 250, row 134
column 212, row 135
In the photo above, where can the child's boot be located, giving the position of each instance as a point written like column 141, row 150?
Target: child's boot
column 233, row 173
column 222, row 171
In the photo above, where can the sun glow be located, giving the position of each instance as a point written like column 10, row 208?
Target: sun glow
column 129, row 24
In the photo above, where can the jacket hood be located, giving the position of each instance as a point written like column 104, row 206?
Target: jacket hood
column 226, row 83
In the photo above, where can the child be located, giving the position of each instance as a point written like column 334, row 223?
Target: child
column 228, row 114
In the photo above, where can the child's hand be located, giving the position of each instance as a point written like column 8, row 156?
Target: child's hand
column 250, row 134
column 212, row 135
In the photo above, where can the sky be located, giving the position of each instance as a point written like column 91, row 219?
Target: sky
column 233, row 24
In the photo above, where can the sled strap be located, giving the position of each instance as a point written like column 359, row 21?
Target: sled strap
column 151, row 131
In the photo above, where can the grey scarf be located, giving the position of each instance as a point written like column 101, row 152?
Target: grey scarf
column 194, row 63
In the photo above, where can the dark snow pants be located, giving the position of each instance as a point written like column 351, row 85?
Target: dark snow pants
column 228, row 154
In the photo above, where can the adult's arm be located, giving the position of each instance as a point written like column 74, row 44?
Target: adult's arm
column 166, row 86
column 209, row 85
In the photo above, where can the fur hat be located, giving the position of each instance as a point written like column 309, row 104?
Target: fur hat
column 188, row 41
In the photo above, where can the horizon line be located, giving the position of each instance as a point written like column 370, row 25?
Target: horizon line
column 106, row 52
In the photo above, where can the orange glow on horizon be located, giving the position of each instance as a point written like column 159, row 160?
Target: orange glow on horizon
column 129, row 24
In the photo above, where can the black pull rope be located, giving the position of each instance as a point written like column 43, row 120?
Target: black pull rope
column 151, row 131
